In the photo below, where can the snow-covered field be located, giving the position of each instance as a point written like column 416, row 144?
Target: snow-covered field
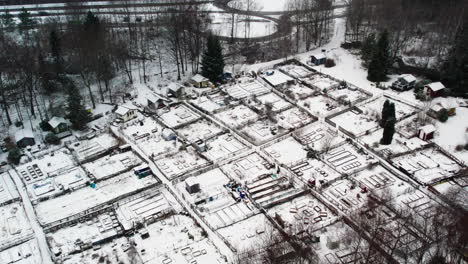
column 178, row 115
column 203, row 129
column 112, row 165
column 288, row 151
column 180, row 163
column 237, row 116
column 261, row 5
column 223, row 146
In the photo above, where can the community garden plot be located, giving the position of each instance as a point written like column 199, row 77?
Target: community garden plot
column 201, row 130
column 70, row 179
column 263, row 131
column 321, row 105
column 293, row 118
column 15, row 225
column 278, row 79
column 248, row 167
column 350, row 96
column 238, row 116
column 299, row 91
column 427, row 166
column 318, row 136
column 112, row 165
column 89, row 198
column 304, row 213
column 52, row 164
column 218, row 201
column 321, row 82
column 207, row 104
column 379, row 180
column 296, row 71
column 334, row 246
column 183, row 242
column 246, row 87
column 356, row 122
column 272, row 188
column 249, row 233
column 345, row 196
column 399, row 144
column 375, row 106
column 315, row 171
column 177, row 116
column 277, row 103
column 145, row 207
column 25, row 253
column 223, row 146
column 150, row 137
column 420, row 205
column 95, row 230
column 8, row 191
column 119, row 250
column 288, row 151
column 346, row 158
column 181, row 162
column 88, row 149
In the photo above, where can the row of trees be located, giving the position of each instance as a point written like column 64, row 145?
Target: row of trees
column 91, row 52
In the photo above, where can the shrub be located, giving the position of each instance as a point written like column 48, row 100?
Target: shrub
column 330, row 63
column 14, row 156
column 51, row 138
column 466, row 146
column 459, row 148
column 443, row 115
column 18, row 123
column 45, row 126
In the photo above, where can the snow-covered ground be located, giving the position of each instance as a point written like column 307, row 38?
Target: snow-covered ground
column 454, row 132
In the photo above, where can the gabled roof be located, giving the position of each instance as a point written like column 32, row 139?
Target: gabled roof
column 199, row 78
column 174, row 86
column 319, row 56
column 123, row 110
column 153, row 98
column 24, row 133
column 56, row 121
column 428, row 129
column 408, row 78
column 436, row 86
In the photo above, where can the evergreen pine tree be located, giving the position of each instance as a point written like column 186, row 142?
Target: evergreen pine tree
column 77, row 114
column 456, row 66
column 388, row 132
column 55, row 50
column 380, row 62
column 367, row 49
column 385, row 114
column 7, row 19
column 213, row 61
column 25, row 19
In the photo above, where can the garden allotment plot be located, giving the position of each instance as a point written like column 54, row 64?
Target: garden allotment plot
column 177, row 116
column 148, row 135
column 175, row 165
column 248, row 167
column 223, row 146
column 201, row 130
column 15, row 225
column 238, row 116
column 347, row 158
column 245, row 87
column 219, row 204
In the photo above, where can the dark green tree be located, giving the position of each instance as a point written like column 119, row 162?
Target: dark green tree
column 380, row 62
column 7, row 19
column 388, row 112
column 367, row 49
column 389, row 130
column 14, row 155
column 213, row 61
column 77, row 113
column 455, row 68
column 25, row 19
column 56, row 50
column 51, row 138
column 443, row 115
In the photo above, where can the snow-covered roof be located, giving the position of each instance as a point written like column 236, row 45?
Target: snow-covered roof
column 437, row 107
column 436, row 86
column 199, row 78
column 319, row 56
column 56, row 121
column 278, row 78
column 191, row 181
column 153, row 98
column 428, row 129
column 123, row 110
column 408, row 78
column 24, row 133
column 175, row 86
